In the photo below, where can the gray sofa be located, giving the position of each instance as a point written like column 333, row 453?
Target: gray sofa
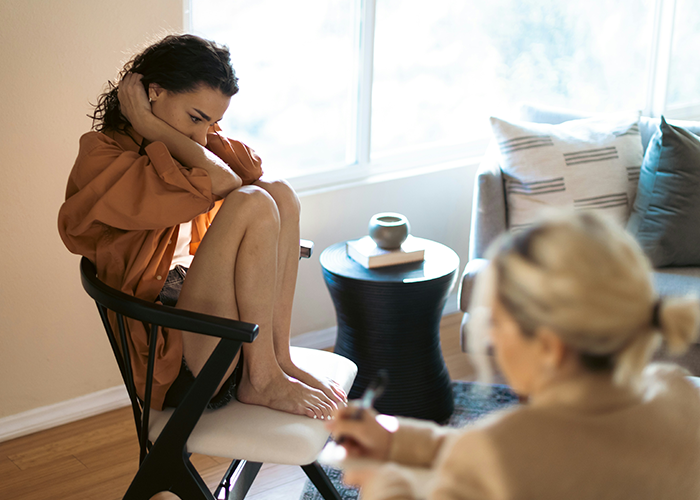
column 489, row 218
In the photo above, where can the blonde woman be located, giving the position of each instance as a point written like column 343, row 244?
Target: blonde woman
column 574, row 319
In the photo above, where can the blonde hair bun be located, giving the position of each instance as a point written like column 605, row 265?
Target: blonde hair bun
column 679, row 320
column 584, row 277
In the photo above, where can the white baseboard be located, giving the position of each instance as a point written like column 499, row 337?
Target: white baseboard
column 98, row 402
column 64, row 412
column 452, row 305
column 320, row 339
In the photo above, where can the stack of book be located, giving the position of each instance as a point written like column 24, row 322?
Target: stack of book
column 366, row 252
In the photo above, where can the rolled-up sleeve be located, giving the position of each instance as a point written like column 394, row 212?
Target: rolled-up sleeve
column 127, row 191
column 241, row 158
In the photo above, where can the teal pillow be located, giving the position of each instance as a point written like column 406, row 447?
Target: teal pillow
column 665, row 219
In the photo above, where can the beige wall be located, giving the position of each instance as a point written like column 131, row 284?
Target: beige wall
column 55, row 56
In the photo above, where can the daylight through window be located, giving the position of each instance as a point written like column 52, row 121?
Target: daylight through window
column 340, row 89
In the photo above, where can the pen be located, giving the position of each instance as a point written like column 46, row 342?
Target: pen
column 372, row 392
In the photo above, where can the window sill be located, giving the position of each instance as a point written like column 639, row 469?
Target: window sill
column 408, row 164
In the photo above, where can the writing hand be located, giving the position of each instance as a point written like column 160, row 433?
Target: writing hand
column 358, row 477
column 366, row 435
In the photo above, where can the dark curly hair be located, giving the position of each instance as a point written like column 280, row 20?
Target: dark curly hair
column 178, row 63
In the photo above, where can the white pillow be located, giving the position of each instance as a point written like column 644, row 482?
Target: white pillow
column 592, row 163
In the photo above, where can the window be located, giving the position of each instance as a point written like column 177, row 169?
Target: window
column 683, row 95
column 333, row 90
column 440, row 72
column 294, row 61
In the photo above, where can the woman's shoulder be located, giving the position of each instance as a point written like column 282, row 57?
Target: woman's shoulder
column 113, row 141
column 664, row 371
column 667, row 380
column 96, row 153
column 93, row 140
column 495, row 424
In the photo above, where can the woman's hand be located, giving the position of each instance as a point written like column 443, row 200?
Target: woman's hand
column 368, row 436
column 358, row 476
column 134, row 105
column 133, row 102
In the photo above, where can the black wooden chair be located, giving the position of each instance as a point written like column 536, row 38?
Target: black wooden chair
column 250, row 435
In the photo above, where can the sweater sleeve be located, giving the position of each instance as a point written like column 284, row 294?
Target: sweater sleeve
column 391, row 482
column 468, row 468
column 242, row 159
column 457, row 464
column 127, row 191
column 417, row 442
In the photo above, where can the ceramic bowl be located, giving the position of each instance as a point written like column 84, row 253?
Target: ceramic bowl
column 389, row 230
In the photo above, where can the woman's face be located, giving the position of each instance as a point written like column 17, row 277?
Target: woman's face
column 191, row 113
column 517, row 356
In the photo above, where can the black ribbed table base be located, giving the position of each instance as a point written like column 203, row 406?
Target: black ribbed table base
column 393, row 323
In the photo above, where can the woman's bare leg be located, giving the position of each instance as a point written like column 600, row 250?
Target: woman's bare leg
column 289, row 208
column 234, row 275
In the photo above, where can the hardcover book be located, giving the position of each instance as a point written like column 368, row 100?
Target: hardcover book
column 366, row 252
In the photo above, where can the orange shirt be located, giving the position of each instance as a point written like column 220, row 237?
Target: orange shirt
column 123, row 210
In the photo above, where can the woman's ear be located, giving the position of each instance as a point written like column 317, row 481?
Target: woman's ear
column 552, row 349
column 154, row 91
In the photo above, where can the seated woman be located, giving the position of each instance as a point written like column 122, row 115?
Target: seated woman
column 169, row 209
column 574, row 319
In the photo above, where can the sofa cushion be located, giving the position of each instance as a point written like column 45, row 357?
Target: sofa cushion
column 548, row 114
column 677, row 281
column 584, row 164
column 666, row 216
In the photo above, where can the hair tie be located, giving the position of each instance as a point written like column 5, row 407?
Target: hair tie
column 656, row 314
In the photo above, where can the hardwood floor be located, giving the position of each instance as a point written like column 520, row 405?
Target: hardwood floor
column 96, row 458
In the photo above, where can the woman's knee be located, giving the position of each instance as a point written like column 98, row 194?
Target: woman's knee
column 253, row 203
column 285, row 197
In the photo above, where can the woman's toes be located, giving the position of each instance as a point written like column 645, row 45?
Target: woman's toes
column 325, row 407
column 320, row 409
column 338, row 391
column 340, row 394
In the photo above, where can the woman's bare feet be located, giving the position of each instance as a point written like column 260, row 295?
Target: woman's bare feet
column 281, row 392
column 330, row 388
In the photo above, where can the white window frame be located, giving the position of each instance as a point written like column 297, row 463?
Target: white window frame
column 361, row 168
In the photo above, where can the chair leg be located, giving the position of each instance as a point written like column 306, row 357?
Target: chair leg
column 178, row 476
column 324, row 486
column 237, row 481
column 192, row 486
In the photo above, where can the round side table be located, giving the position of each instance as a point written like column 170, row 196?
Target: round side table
column 389, row 318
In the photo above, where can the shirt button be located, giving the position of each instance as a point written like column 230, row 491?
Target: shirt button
column 159, row 277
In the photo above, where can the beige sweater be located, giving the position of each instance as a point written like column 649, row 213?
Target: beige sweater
column 582, row 439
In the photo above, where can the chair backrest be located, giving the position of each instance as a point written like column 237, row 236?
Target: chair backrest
column 156, row 316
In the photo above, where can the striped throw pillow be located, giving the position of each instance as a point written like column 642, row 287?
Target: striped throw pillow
column 588, row 164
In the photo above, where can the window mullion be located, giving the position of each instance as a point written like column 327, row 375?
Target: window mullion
column 365, row 67
column 660, row 59
column 187, row 16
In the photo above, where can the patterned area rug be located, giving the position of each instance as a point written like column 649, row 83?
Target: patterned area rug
column 472, row 401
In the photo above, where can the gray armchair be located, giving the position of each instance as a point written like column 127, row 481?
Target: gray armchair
column 490, row 216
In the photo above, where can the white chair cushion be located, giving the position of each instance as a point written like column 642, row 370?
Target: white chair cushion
column 260, row 434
